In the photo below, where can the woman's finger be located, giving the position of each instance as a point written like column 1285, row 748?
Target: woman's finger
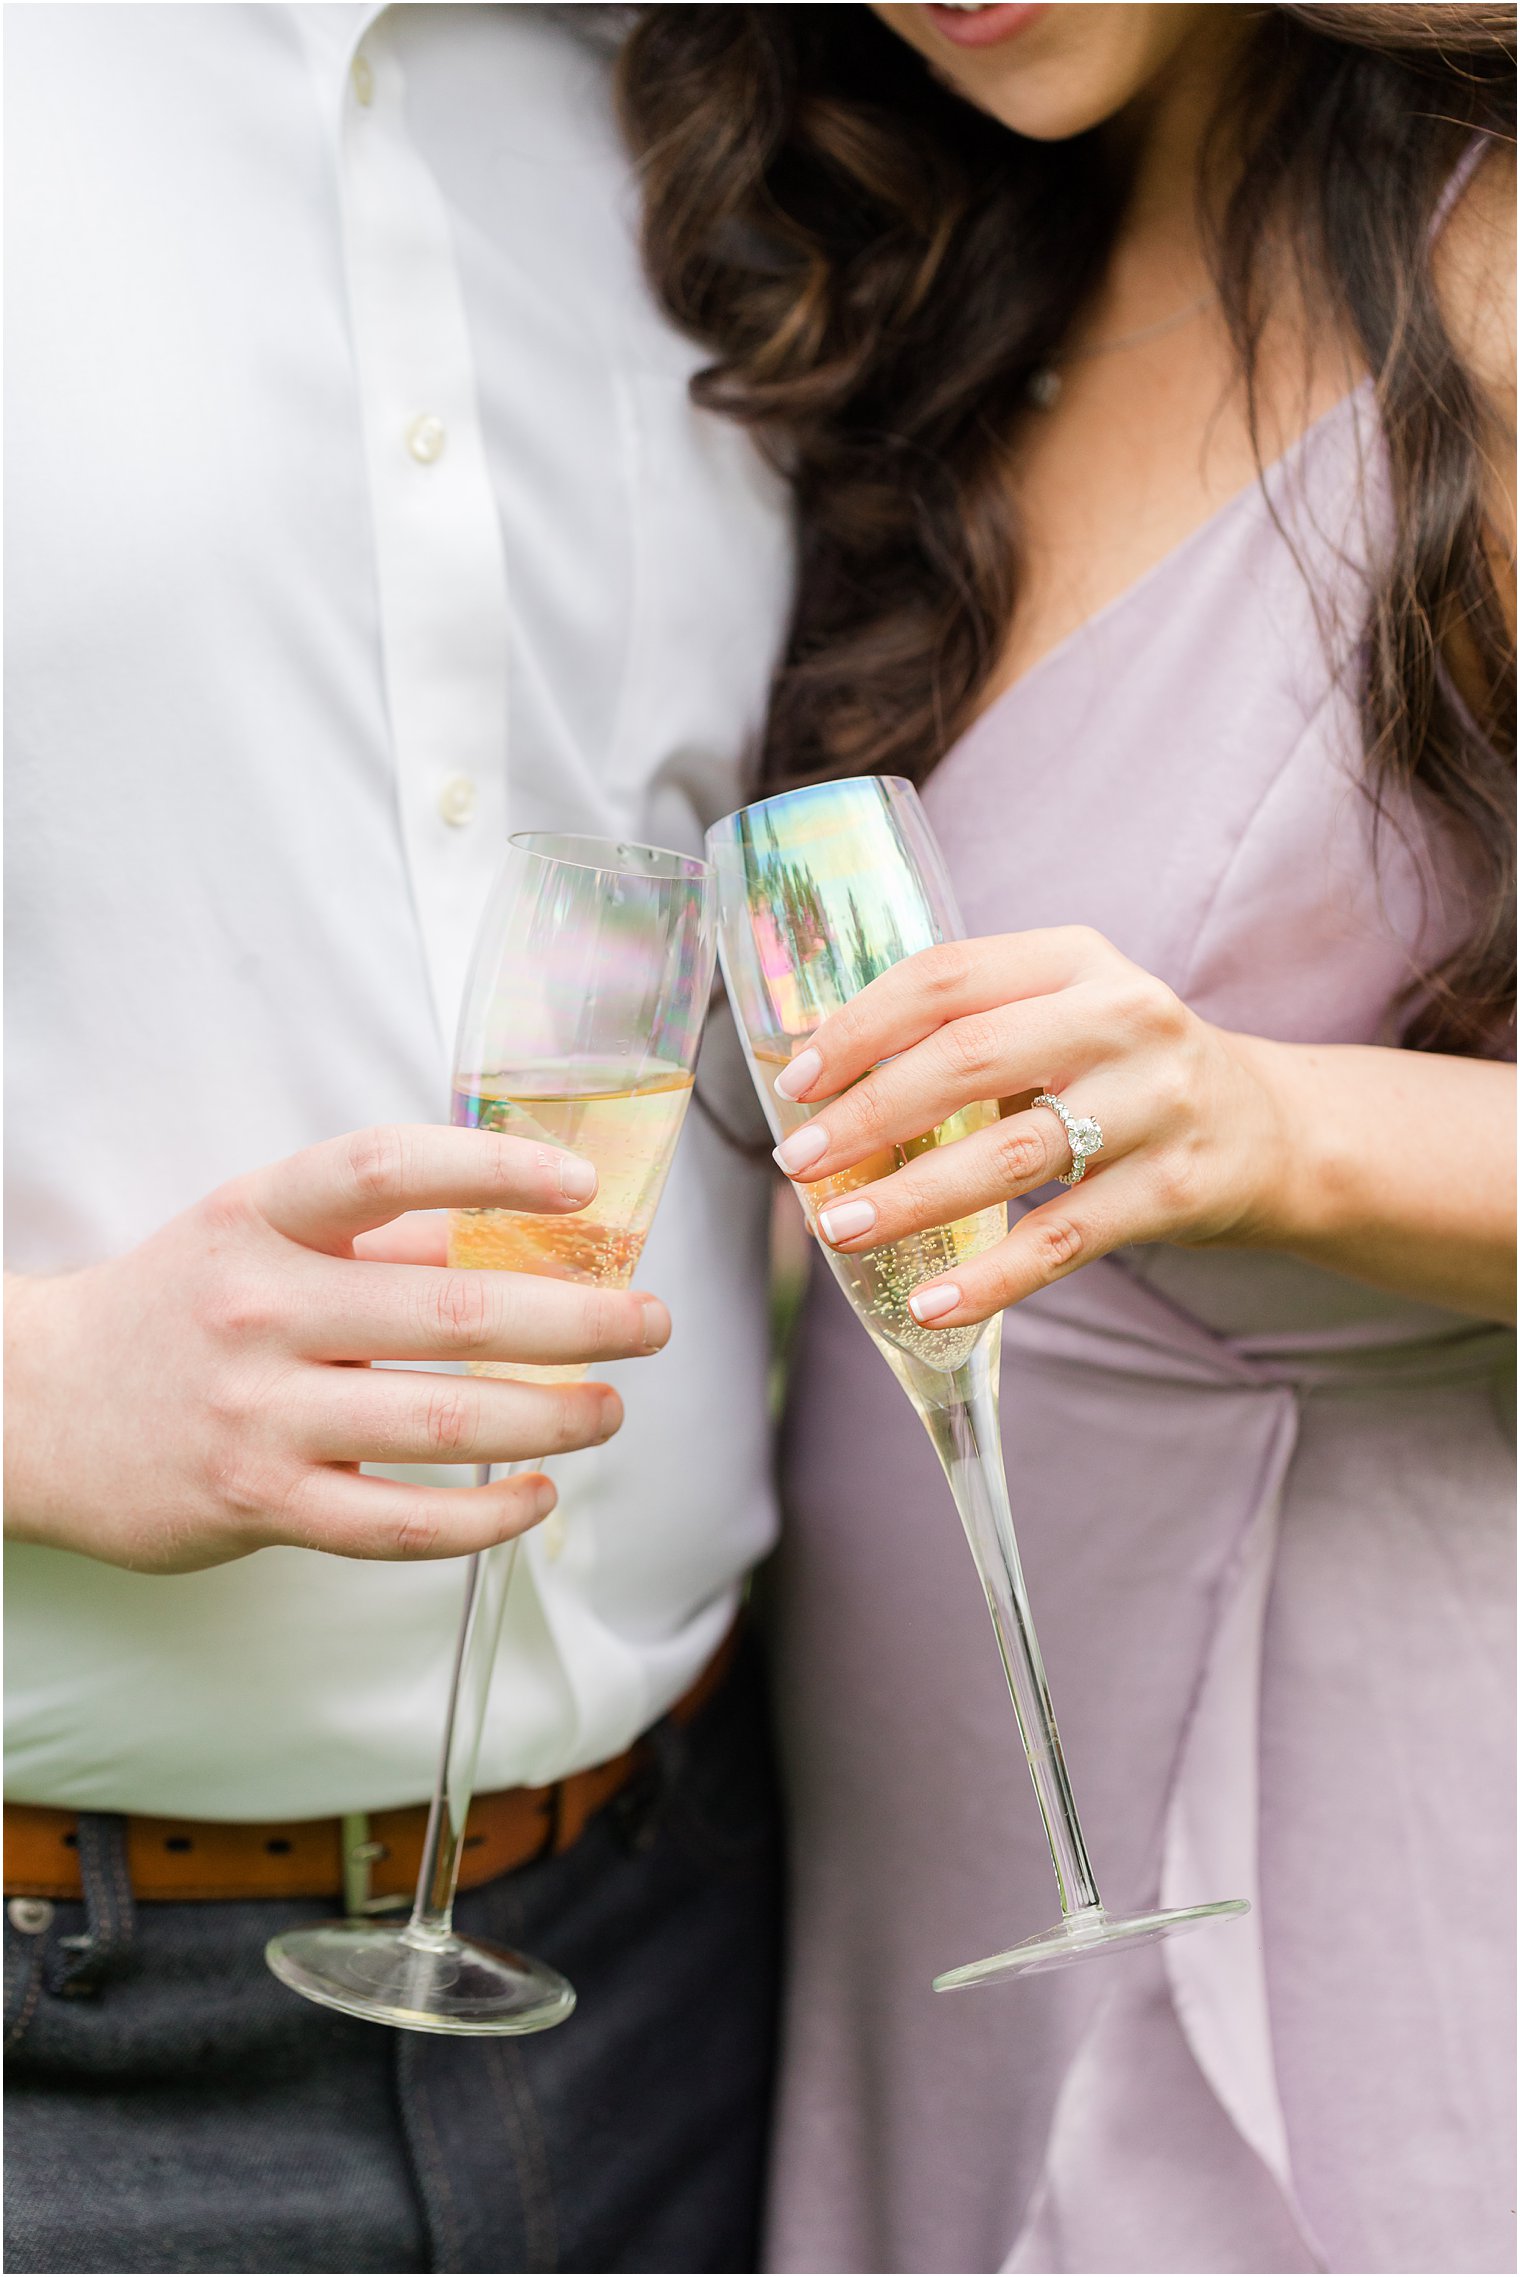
column 395, row 1415
column 911, row 1000
column 992, row 1165
column 984, row 1057
column 326, row 1194
column 354, row 1517
column 1043, row 1246
column 417, row 1312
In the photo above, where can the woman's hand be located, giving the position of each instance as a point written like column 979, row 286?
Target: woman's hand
column 1209, row 1136
column 207, row 1394
column 1190, row 1134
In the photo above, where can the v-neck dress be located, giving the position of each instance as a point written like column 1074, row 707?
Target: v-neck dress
column 1266, row 1515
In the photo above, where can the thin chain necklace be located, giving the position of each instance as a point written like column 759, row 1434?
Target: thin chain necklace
column 1044, row 384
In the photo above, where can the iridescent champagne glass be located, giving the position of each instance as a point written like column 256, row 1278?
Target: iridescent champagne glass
column 820, row 890
column 582, row 1017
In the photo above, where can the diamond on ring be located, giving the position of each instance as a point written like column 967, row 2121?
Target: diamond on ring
column 1084, row 1135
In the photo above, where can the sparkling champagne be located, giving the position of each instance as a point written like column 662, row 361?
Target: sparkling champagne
column 879, row 1282
column 627, row 1131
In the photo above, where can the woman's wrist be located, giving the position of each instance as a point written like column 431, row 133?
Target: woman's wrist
column 1301, row 1183
column 1396, row 1167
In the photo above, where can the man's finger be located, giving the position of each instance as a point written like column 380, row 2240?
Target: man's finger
column 353, row 1517
column 421, row 1237
column 353, row 1311
column 374, row 1415
column 327, row 1194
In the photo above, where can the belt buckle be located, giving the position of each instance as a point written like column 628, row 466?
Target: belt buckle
column 360, row 1852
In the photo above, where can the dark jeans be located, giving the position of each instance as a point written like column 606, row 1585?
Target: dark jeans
column 176, row 2108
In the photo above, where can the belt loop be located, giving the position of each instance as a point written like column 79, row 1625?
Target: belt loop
column 359, row 1854
column 109, row 1916
column 360, row 1851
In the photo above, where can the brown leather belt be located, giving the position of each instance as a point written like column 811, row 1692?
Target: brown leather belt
column 371, row 1859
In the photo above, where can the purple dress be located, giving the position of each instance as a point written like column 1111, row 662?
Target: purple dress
column 1266, row 1519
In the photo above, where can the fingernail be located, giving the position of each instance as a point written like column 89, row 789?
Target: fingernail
column 610, row 1418
column 542, row 1499
column 577, row 1179
column 802, row 1147
column 846, row 1219
column 656, row 1325
column 930, row 1304
column 800, row 1076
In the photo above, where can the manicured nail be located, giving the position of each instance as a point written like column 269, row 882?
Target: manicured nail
column 800, row 1076
column 656, row 1325
column 846, row 1219
column 577, row 1179
column 931, row 1304
column 802, row 1147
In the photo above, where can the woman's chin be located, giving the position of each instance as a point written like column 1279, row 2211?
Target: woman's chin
column 1047, row 72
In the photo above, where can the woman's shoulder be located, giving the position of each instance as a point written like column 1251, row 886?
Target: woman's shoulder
column 1474, row 262
column 1475, row 277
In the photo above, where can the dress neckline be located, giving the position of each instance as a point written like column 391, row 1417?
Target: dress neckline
column 1174, row 555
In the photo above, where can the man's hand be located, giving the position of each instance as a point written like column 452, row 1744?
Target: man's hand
column 208, row 1394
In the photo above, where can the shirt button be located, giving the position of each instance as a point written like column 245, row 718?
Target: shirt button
column 31, row 1915
column 362, row 72
column 425, row 438
column 456, row 801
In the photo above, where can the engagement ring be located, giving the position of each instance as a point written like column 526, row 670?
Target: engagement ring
column 1084, row 1135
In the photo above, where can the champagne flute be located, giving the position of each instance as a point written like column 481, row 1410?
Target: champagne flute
column 582, row 1017
column 820, row 890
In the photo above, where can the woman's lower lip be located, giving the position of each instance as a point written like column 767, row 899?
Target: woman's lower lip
column 982, row 27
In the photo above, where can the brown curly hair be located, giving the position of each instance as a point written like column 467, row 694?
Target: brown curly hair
column 880, row 269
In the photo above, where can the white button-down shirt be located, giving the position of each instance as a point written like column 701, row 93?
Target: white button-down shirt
column 357, row 514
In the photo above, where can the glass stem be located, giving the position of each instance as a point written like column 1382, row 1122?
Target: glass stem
column 488, row 1582
column 967, row 1440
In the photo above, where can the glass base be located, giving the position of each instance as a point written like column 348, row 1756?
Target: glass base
column 420, row 1983
column 1081, row 1934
